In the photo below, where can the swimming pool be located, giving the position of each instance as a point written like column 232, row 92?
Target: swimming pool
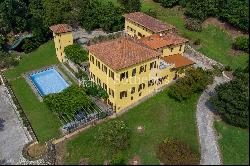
column 48, row 81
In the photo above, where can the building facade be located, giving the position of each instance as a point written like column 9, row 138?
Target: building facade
column 63, row 37
column 140, row 25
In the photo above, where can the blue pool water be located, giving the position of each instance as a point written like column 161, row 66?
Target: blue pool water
column 48, row 81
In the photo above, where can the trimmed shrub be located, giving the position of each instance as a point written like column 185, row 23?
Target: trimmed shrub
column 241, row 43
column 228, row 68
column 197, row 42
column 113, row 136
column 193, row 25
column 174, row 152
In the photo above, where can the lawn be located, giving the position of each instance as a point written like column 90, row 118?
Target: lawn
column 234, row 144
column 43, row 56
column 215, row 43
column 45, row 124
column 160, row 116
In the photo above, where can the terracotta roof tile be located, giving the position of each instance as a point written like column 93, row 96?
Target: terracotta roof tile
column 178, row 60
column 121, row 53
column 156, row 41
column 61, row 28
column 148, row 22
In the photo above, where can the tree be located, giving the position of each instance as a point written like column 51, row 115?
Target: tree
column 2, row 42
column 169, row 3
column 235, row 12
column 151, row 12
column 68, row 101
column 94, row 14
column 7, row 60
column 202, row 9
column 95, row 90
column 56, row 11
column 131, row 5
column 195, row 81
column 13, row 15
column 232, row 100
column 76, row 53
column 113, row 136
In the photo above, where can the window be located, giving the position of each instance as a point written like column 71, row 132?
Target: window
column 124, row 75
column 150, row 83
column 123, row 94
column 98, row 64
column 143, row 69
column 104, row 86
column 132, row 98
column 98, row 81
column 171, row 49
column 152, row 65
column 180, row 48
column 93, row 77
column 141, row 86
column 133, row 72
column 105, row 69
column 139, row 34
column 111, row 74
column 132, row 90
column 111, row 92
column 92, row 59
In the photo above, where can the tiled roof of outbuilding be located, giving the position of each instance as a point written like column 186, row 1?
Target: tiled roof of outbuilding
column 156, row 41
column 60, row 28
column 149, row 22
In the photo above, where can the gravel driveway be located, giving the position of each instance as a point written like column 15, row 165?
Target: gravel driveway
column 13, row 136
column 210, row 154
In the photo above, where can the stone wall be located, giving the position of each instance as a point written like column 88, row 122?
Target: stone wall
column 200, row 59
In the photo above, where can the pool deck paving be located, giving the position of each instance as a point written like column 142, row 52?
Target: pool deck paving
column 13, row 136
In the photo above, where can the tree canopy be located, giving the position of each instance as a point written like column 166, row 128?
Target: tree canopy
column 232, row 100
column 76, row 53
column 68, row 101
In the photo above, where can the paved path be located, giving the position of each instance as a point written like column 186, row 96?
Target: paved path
column 210, row 153
column 13, row 136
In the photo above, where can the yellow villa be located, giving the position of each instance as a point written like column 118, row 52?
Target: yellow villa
column 131, row 68
column 140, row 25
column 63, row 37
column 136, row 65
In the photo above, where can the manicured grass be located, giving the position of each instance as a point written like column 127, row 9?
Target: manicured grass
column 160, row 116
column 234, row 144
column 43, row 56
column 45, row 124
column 215, row 43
